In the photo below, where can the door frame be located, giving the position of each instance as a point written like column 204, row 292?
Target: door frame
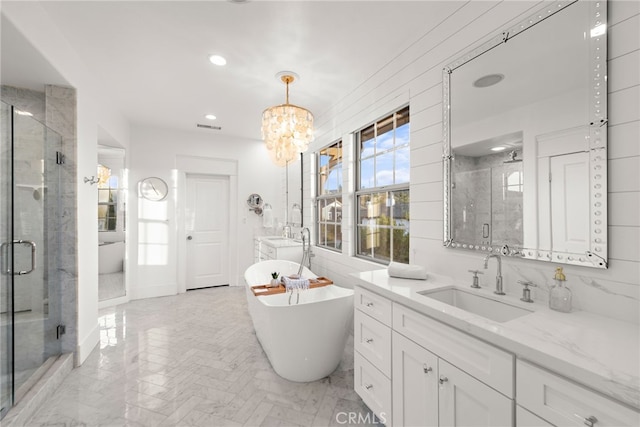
column 193, row 165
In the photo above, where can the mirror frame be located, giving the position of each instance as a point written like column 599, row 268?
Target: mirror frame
column 596, row 255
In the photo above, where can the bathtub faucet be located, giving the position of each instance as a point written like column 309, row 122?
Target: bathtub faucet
column 305, row 234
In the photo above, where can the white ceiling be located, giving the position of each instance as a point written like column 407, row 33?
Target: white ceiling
column 152, row 56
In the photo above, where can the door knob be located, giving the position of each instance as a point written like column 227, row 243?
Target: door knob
column 189, row 237
column 443, row 379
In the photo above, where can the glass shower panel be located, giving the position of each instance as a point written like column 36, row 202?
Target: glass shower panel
column 6, row 372
column 36, row 290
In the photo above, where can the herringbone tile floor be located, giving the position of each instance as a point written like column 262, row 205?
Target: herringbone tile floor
column 194, row 360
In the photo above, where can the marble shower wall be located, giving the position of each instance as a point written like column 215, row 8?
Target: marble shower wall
column 61, row 117
column 56, row 108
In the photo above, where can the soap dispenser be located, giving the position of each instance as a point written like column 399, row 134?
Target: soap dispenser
column 560, row 295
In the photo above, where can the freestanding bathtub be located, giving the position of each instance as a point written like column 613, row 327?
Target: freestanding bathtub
column 304, row 341
column 110, row 257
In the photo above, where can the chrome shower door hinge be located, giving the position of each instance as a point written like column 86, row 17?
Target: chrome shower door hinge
column 59, row 158
column 60, row 331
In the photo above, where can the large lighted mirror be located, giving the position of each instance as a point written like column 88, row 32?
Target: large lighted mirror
column 525, row 125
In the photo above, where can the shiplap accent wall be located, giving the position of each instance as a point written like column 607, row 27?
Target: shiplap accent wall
column 414, row 76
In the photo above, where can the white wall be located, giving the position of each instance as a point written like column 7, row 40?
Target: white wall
column 94, row 109
column 157, row 152
column 415, row 76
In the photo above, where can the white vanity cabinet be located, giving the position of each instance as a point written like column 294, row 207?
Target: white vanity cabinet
column 411, row 370
column 430, row 391
column 265, row 249
column 561, row 402
column 372, row 356
column 415, row 384
column 525, row 418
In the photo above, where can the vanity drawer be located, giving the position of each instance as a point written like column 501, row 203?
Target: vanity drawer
column 373, row 304
column 483, row 361
column 373, row 387
column 565, row 403
column 269, row 251
column 525, row 418
column 373, row 340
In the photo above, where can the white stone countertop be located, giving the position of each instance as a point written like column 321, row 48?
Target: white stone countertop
column 597, row 351
column 278, row 242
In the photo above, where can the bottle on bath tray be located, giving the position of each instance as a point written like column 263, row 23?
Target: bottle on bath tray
column 560, row 295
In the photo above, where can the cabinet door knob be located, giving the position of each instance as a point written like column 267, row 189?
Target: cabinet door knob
column 369, row 340
column 590, row 421
column 369, row 304
column 369, row 386
column 427, row 369
column 443, row 379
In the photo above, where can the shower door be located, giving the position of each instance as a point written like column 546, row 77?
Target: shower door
column 30, row 294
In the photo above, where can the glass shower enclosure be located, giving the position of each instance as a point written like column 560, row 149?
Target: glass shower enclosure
column 30, row 214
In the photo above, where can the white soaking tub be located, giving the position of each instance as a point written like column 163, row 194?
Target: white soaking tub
column 304, row 339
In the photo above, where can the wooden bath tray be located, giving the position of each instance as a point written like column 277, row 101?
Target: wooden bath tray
column 261, row 290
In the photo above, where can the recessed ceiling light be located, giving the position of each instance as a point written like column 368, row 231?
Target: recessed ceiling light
column 488, row 80
column 210, row 117
column 217, row 60
column 498, row 148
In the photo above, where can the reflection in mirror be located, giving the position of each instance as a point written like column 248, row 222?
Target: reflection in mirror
column 111, row 222
column 525, row 139
column 487, row 191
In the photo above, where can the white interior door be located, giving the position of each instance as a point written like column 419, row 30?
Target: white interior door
column 570, row 202
column 207, row 230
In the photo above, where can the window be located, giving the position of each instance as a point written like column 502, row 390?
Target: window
column 107, row 199
column 382, row 195
column 329, row 200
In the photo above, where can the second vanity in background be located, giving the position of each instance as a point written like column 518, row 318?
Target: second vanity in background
column 276, row 247
column 419, row 361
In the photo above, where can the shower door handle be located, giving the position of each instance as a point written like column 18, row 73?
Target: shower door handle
column 5, row 265
column 33, row 256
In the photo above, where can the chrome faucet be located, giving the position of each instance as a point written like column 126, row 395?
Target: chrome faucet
column 305, row 235
column 498, row 290
column 286, row 231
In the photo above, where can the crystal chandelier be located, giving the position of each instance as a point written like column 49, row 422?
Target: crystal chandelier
column 287, row 129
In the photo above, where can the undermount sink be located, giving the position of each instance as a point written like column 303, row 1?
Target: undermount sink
column 481, row 305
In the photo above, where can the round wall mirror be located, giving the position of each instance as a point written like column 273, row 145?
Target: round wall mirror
column 255, row 203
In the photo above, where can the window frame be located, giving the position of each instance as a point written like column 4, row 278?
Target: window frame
column 391, row 188
column 323, row 197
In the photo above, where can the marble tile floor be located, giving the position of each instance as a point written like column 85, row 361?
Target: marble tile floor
column 194, row 360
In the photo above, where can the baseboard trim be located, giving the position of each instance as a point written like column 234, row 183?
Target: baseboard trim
column 84, row 349
column 154, row 291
